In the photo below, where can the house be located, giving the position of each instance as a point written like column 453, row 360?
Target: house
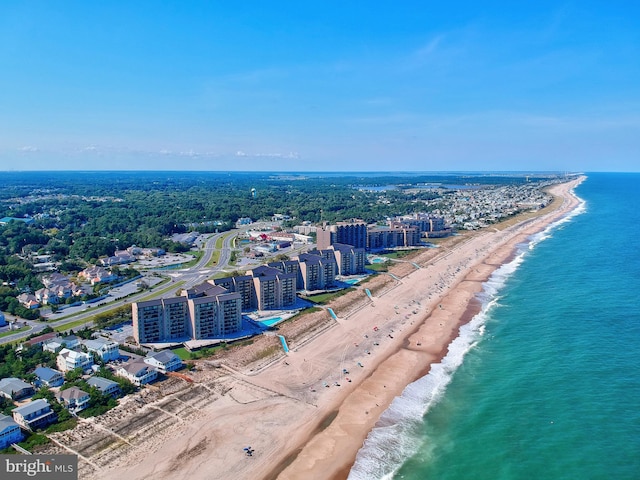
column 28, row 300
column 95, row 275
column 107, row 350
column 55, row 279
column 46, row 296
column 74, row 399
column 164, row 361
column 9, row 432
column 54, row 345
column 68, row 360
column 137, row 372
column 48, row 376
column 41, row 339
column 106, row 386
column 35, row 414
column 14, row 388
column 54, row 294
column 119, row 258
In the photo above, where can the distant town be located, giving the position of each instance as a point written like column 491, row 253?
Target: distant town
column 94, row 307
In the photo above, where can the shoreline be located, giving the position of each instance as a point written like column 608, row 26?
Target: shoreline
column 303, row 417
column 338, row 465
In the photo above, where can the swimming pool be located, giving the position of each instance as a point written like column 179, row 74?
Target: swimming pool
column 269, row 322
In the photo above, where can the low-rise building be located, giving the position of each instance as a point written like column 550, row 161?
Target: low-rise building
column 68, row 360
column 35, row 414
column 106, row 386
column 9, row 432
column 119, row 258
column 28, row 300
column 138, row 372
column 164, row 361
column 74, row 399
column 55, row 344
column 106, row 349
column 48, row 377
column 15, row 389
column 95, row 275
column 41, row 339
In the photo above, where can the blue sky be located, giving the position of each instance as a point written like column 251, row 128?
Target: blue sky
column 312, row 86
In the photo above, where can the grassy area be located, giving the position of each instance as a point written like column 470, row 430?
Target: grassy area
column 215, row 258
column 170, row 288
column 185, row 354
column 69, row 326
column 62, row 426
column 32, row 440
column 219, row 244
column 182, row 352
column 323, row 298
column 396, row 254
column 197, row 255
column 377, row 267
column 11, row 332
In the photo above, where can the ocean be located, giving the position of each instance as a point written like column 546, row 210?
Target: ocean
column 544, row 383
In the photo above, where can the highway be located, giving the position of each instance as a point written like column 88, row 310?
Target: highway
column 180, row 278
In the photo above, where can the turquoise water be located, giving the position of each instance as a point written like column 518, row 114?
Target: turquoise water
column 545, row 382
column 379, row 260
column 268, row 322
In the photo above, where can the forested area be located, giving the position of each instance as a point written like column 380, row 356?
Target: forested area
column 79, row 217
column 89, row 215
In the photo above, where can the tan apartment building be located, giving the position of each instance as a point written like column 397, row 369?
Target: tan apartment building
column 206, row 311
column 316, row 271
column 349, row 260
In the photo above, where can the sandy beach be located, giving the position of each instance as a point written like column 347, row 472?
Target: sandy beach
column 306, row 414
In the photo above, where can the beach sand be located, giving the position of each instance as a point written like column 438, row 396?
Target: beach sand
column 301, row 415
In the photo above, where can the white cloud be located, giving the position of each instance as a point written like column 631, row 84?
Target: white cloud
column 240, row 153
column 29, row 148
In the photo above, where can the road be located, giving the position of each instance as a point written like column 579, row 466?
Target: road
column 181, row 278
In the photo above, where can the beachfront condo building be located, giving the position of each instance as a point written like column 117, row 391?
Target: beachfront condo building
column 205, row 311
column 266, row 287
column 349, row 260
column 398, row 235
column 274, row 289
column 160, row 320
column 316, row 272
column 432, row 226
column 215, row 314
column 241, row 284
column 286, row 266
column 353, row 232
